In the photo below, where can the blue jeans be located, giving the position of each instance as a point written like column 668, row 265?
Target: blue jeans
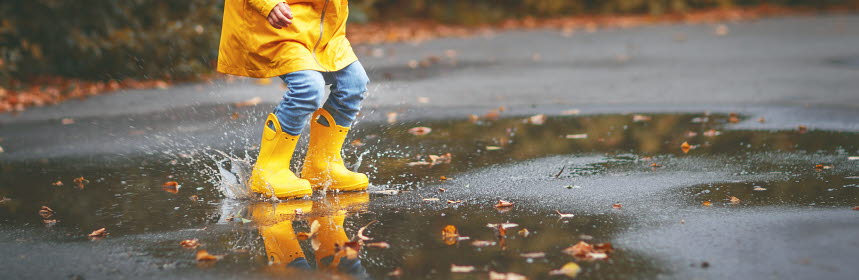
column 306, row 89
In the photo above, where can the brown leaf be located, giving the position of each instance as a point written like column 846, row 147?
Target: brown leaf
column 449, row 234
column 190, row 243
column 361, row 231
column 454, row 201
column 821, row 167
column 580, row 249
column 80, row 182
column 171, row 187
column 102, row 232
column 461, row 268
column 420, row 130
column 685, row 147
column 57, row 184
column 46, row 212
column 204, row 256
column 503, row 204
column 442, row 159
column 524, row 232
column 441, row 189
column 735, row 200
column 617, row 206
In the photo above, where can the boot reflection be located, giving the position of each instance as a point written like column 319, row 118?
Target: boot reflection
column 275, row 226
column 330, row 213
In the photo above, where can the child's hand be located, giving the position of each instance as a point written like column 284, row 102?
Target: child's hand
column 280, row 16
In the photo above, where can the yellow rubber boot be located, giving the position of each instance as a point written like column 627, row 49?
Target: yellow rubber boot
column 323, row 166
column 271, row 174
column 275, row 227
column 331, row 235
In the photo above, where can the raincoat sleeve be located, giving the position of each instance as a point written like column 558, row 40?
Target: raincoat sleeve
column 264, row 6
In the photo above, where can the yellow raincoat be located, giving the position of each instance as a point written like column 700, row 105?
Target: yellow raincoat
column 316, row 39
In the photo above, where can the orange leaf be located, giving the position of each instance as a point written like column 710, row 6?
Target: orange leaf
column 617, row 206
column 503, row 204
column 204, row 256
column 80, row 181
column 685, row 147
column 735, row 200
column 46, row 212
column 171, row 187
column 190, row 243
column 707, row 203
column 102, row 232
column 449, row 234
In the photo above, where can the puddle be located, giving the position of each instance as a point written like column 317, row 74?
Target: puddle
column 125, row 195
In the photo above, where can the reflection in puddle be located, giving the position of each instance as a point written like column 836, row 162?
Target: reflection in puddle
column 126, row 197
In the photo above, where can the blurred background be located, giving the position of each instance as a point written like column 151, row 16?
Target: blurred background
column 52, row 49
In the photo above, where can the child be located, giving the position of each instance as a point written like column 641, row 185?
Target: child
column 305, row 44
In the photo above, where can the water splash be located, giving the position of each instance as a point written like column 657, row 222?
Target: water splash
column 233, row 174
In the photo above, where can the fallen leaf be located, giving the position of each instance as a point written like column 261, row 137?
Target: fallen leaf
column 802, row 129
column 655, row 165
column 533, row 255
column 685, row 147
column 204, row 256
column 195, row 198
column 735, row 200
column 382, row 245
column 585, row 251
column 563, row 215
column 733, row 118
column 190, row 243
column 641, row 118
column 442, row 178
column 442, row 159
column 46, row 212
column 577, row 136
column 171, row 187
column 250, row 102
column 492, row 116
column 570, row 112
column 361, row 231
column 616, row 206
column 102, row 232
column 690, row 134
column 392, row 117
column 420, row 130
column 461, row 268
column 707, row 203
column 570, row 269
column 449, row 234
column 482, row 243
column 759, row 188
column 80, row 182
column 473, row 118
column 579, row 249
column 441, row 190
column 524, row 232
column 431, row 199
column 821, row 167
column 506, row 276
column 712, row 133
column 537, row 119
column 67, row 121
column 503, row 204
column 493, row 148
column 454, row 201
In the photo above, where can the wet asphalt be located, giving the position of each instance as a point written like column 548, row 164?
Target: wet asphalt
column 789, row 71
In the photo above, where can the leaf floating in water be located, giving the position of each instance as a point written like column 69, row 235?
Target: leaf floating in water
column 46, row 212
column 431, row 199
column 80, row 182
column 821, row 167
column 733, row 118
column 707, row 203
column 503, row 204
column 420, row 130
column 570, row 269
column 102, row 232
column 449, row 234
column 585, row 251
column 190, row 243
column 171, row 187
column 685, row 147
column 57, row 184
column 617, row 206
column 493, row 148
column 712, row 133
column 461, row 268
column 392, row 117
column 759, row 188
column 524, row 233
column 735, row 200
column 204, row 256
